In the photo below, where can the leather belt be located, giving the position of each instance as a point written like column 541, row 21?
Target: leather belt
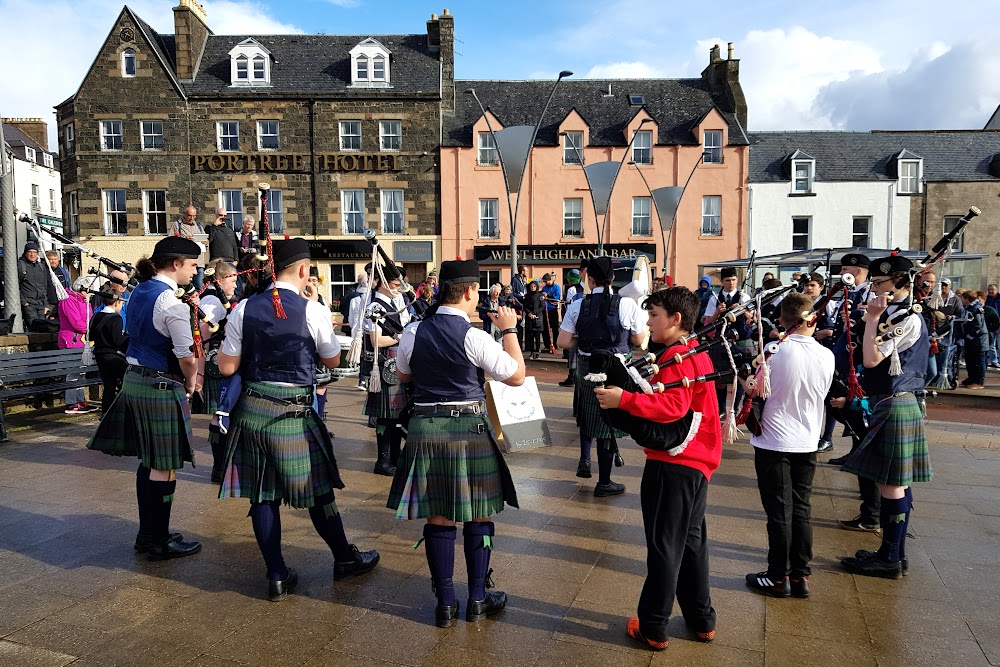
column 447, row 410
column 152, row 373
column 303, row 400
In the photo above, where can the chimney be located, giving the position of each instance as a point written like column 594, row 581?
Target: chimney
column 441, row 38
column 723, row 79
column 36, row 128
column 190, row 34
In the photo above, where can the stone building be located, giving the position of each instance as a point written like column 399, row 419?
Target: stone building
column 345, row 129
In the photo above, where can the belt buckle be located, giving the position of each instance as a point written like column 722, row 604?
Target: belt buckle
column 455, row 413
column 162, row 385
column 481, row 427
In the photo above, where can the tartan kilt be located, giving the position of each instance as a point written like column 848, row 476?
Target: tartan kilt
column 278, row 452
column 209, row 401
column 588, row 410
column 149, row 422
column 451, row 467
column 894, row 452
column 388, row 403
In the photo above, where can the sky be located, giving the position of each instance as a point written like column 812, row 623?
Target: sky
column 823, row 64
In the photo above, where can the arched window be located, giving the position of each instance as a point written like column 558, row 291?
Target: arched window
column 259, row 71
column 362, row 68
column 242, row 68
column 128, row 63
column 378, row 68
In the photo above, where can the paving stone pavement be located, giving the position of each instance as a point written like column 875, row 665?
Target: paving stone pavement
column 73, row 592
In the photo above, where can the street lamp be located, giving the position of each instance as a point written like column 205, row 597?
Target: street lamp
column 667, row 200
column 515, row 142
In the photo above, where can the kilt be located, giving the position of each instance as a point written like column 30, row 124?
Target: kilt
column 208, row 402
column 894, row 452
column 150, row 418
column 450, row 467
column 388, row 403
column 277, row 451
column 588, row 410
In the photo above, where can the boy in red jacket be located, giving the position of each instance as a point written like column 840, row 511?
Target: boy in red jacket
column 675, row 485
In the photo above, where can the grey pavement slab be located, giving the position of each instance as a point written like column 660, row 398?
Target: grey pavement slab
column 72, row 591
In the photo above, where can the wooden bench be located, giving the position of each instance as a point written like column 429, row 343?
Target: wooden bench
column 38, row 373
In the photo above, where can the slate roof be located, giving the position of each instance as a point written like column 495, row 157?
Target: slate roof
column 994, row 122
column 675, row 104
column 318, row 65
column 864, row 156
column 16, row 140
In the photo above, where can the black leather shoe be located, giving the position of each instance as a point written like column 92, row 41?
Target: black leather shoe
column 493, row 603
column 364, row 561
column 446, row 615
column 609, row 489
column 568, row 382
column 173, row 550
column 838, row 460
column 873, row 567
column 583, row 469
column 824, row 446
column 868, row 555
column 278, row 590
column 800, row 587
column 383, row 468
column 143, row 543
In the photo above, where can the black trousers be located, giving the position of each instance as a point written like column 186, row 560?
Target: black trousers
column 785, row 484
column 112, row 368
column 975, row 361
column 673, row 501
column 550, row 328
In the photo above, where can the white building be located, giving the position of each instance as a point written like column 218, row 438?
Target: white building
column 37, row 189
column 829, row 190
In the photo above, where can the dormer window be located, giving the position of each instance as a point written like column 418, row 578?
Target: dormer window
column 800, row 168
column 910, row 176
column 713, row 146
column 370, row 64
column 128, row 63
column 250, row 64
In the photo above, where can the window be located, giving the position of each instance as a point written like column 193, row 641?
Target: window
column 70, row 137
column 642, row 147
column 636, row 100
column 573, row 218
column 47, row 159
column 489, row 156
column 259, row 68
column 154, row 211
column 392, row 211
column 115, row 223
column 642, row 221
column 350, row 135
column 242, row 68
column 370, row 64
column 950, row 221
column 802, row 171
column 353, row 204
column 232, row 201
column 800, row 233
column 152, row 135
column 275, row 211
column 713, row 146
column 390, row 134
column 711, row 215
column 267, row 135
column 128, row 63
column 52, row 201
column 378, row 68
column 228, row 133
column 111, row 135
column 29, row 155
column 909, row 177
column 489, row 223
column 74, row 213
column 35, row 206
column 573, row 148
column 362, row 69
column 487, row 278
column 861, row 236
column 341, row 280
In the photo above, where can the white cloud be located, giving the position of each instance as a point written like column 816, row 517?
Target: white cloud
column 346, row 4
column 625, row 70
column 243, row 17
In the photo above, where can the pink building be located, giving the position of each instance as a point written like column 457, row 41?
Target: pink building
column 595, row 120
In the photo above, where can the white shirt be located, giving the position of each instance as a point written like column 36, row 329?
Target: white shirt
column 480, row 349
column 713, row 301
column 572, row 291
column 172, row 318
column 354, row 308
column 911, row 331
column 318, row 322
column 390, row 305
column 212, row 308
column 632, row 317
column 794, row 414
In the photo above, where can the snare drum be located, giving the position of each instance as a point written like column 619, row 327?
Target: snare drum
column 344, row 369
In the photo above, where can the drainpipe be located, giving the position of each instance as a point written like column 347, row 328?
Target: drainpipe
column 312, row 162
column 749, row 219
column 888, row 230
column 458, row 202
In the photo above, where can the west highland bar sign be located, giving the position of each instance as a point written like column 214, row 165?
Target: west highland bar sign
column 295, row 162
column 560, row 254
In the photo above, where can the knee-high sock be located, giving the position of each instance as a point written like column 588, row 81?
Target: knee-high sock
column 331, row 529
column 893, row 519
column 906, row 524
column 478, row 547
column 395, row 442
column 321, row 404
column 161, row 498
column 439, row 544
column 605, row 459
column 219, row 442
column 142, row 499
column 585, row 446
column 382, row 442
column 266, row 520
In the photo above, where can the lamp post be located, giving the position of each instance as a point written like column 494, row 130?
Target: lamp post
column 515, row 141
column 601, row 178
column 666, row 201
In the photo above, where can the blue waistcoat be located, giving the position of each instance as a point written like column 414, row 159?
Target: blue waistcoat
column 145, row 344
column 595, row 333
column 913, row 360
column 440, row 368
column 276, row 350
